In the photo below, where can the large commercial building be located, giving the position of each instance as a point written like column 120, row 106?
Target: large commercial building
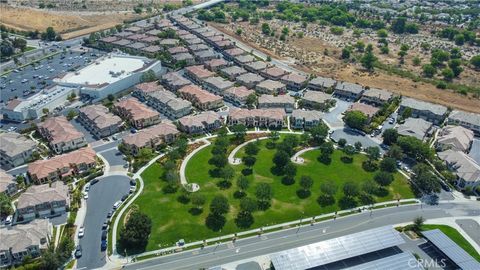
column 109, row 75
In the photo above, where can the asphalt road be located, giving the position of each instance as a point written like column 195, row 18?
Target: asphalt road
column 471, row 227
column 353, row 137
column 274, row 242
column 114, row 157
column 334, row 117
column 102, row 196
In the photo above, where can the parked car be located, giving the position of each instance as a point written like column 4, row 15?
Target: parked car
column 104, row 225
column 110, row 214
column 85, row 196
column 81, row 232
column 116, row 205
column 94, row 181
column 104, row 235
column 103, row 246
column 8, row 220
column 133, row 182
column 124, row 197
column 78, row 251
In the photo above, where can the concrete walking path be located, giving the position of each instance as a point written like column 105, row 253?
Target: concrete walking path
column 183, row 166
column 236, row 161
column 296, row 157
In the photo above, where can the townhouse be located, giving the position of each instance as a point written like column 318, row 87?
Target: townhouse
column 256, row 67
column 376, row 97
column 24, row 241
column 232, row 72
column 205, row 55
column 415, row 127
column 186, row 57
column 169, row 104
column 99, row 121
column 198, row 47
column 141, row 90
column 204, row 122
column 271, row 87
column 230, row 54
column 42, row 201
column 348, row 91
column 200, row 98
column 197, row 73
column 456, row 138
column 294, row 81
column 58, row 167
column 420, row 109
column 268, row 118
column 174, row 81
column 15, row 150
column 322, row 84
column 8, row 185
column 137, row 114
column 178, row 49
column 285, row 102
column 217, row 85
column 303, row 119
column 250, row 80
column 465, row 168
column 238, row 95
column 466, row 120
column 243, row 60
column 317, row 100
column 216, row 64
column 273, row 73
column 61, row 135
column 151, row 51
column 151, row 137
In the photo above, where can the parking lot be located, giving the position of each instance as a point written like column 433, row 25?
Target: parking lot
column 26, row 81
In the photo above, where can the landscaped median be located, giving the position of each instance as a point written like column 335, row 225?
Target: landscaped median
column 180, row 214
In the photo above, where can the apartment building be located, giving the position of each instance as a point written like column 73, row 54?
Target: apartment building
column 303, row 119
column 285, row 102
column 141, row 90
column 217, row 85
column 273, row 73
column 376, row 97
column 151, row 137
column 8, row 185
column 238, row 95
column 322, row 84
column 15, row 150
column 61, row 135
column 198, row 73
column 204, row 122
column 294, row 81
column 232, row 72
column 420, row 109
column 174, row 81
column 348, row 91
column 267, row 118
column 200, row 98
column 99, row 121
column 169, row 104
column 466, row 120
column 249, row 80
column 317, row 100
column 457, row 138
column 42, row 201
column 137, row 114
column 271, row 87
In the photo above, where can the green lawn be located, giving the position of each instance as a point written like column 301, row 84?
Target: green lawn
column 172, row 221
column 455, row 236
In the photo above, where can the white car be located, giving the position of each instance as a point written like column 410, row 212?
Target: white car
column 85, row 196
column 81, row 232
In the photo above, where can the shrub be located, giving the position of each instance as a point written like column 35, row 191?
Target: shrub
column 288, row 181
column 303, row 193
column 325, row 200
column 184, row 199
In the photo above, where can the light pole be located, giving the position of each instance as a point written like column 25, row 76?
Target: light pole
column 300, row 224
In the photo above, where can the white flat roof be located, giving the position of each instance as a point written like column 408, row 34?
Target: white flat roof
column 105, row 70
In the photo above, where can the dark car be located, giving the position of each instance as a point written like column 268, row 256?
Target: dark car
column 103, row 246
column 133, row 182
column 124, row 197
column 104, row 235
column 94, row 181
column 110, row 214
column 105, row 226
column 78, row 251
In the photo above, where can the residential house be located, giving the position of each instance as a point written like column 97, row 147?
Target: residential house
column 256, row 67
column 99, row 121
column 268, row 118
column 151, row 51
column 317, row 100
column 206, row 55
column 141, row 90
column 303, row 119
column 285, row 102
column 230, row 54
column 322, row 84
column 349, row 91
column 366, row 109
column 237, row 95
column 217, row 85
column 8, row 185
column 456, row 138
column 168, row 42
column 216, row 64
column 174, row 81
column 376, row 97
column 137, row 114
column 151, row 137
column 294, row 81
column 465, row 119
column 15, row 150
column 198, row 73
column 273, row 73
column 250, row 80
column 24, row 241
column 198, row 47
column 42, row 201
column 184, row 57
column 420, row 109
column 58, row 167
column 179, row 49
column 200, row 98
column 271, row 87
column 243, row 60
column 232, row 72
column 415, row 127
column 204, row 122
column 465, row 168
column 61, row 135
column 169, row 104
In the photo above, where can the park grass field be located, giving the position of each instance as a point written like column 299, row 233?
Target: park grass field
column 172, row 220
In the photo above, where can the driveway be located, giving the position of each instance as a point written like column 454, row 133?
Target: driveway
column 334, row 117
column 102, row 196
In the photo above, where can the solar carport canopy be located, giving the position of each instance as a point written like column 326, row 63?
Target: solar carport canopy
column 336, row 249
column 455, row 253
column 401, row 261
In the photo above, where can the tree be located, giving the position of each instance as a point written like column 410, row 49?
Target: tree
column 390, row 136
column 416, row 61
column 251, row 100
column 447, row 74
column 415, row 148
column 346, row 53
column 249, row 161
column 418, row 223
column 239, row 131
column 290, row 170
column 327, row 148
column 388, row 164
column 328, row 188
column 383, row 178
column 358, row 146
column 219, row 160
column 248, row 204
column 252, row 149
column 382, row 33
column 355, row 119
column 369, row 186
column 281, row 159
column 266, row 29
column 350, row 189
column 45, row 111
column 134, row 235
column 5, row 205
column 264, row 192
column 49, row 34
column 197, row 199
column 227, row 173
column 398, row 25
column 342, row 142
column 429, row 70
column 349, row 150
column 244, row 219
column 219, row 205
column 306, row 182
column 373, row 152
column 243, row 183
column 6, row 48
column 319, row 132
column 395, row 152
column 111, row 97
column 19, row 43
column 368, row 59
column 71, row 114
column 148, row 76
column 475, row 61
column 424, row 179
column 239, row 31
column 215, row 222
column 455, row 65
